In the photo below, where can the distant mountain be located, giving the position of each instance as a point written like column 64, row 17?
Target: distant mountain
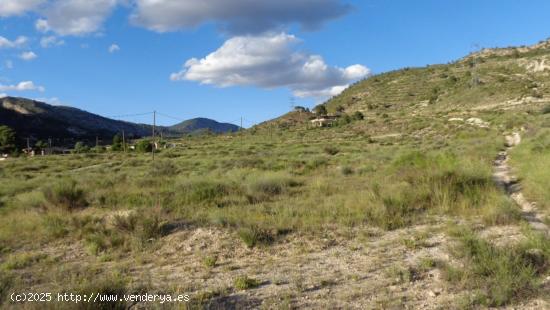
column 202, row 124
column 40, row 121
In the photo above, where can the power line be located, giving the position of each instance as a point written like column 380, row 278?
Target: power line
column 130, row 115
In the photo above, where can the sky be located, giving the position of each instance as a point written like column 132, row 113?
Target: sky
column 227, row 59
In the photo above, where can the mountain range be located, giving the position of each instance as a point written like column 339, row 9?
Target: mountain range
column 39, row 120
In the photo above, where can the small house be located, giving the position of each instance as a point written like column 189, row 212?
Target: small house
column 324, row 121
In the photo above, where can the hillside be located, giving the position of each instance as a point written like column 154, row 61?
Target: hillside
column 492, row 78
column 420, row 205
column 201, row 124
column 38, row 120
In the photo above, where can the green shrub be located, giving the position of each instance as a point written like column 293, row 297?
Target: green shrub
column 346, row 170
column 358, row 116
column 210, row 261
column 501, row 275
column 330, row 150
column 546, row 110
column 256, row 236
column 203, row 190
column 21, row 261
column 56, row 225
column 80, row 148
column 164, row 168
column 265, row 187
column 144, row 146
column 244, row 283
column 66, row 195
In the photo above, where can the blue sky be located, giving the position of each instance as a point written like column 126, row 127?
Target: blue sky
column 309, row 49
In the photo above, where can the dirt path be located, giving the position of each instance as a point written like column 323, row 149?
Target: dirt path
column 505, row 179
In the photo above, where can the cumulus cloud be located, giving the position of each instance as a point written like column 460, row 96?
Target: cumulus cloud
column 75, row 17
column 270, row 61
column 114, row 48
column 18, row 7
column 28, row 56
column 22, row 86
column 19, row 42
column 236, row 16
column 50, row 41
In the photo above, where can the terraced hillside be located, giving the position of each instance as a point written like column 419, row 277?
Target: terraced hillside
column 396, row 210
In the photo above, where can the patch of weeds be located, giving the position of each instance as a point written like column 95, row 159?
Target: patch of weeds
column 22, row 261
column 504, row 213
column 331, row 150
column 245, row 283
column 403, row 275
column 66, row 195
column 501, row 275
column 200, row 191
column 346, row 170
column 56, row 225
column 210, row 261
column 264, row 187
column 254, row 236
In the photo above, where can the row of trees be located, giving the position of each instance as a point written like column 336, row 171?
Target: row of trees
column 118, row 145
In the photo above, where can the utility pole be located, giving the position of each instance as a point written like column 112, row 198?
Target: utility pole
column 241, row 124
column 50, row 143
column 28, row 144
column 154, row 127
column 124, row 141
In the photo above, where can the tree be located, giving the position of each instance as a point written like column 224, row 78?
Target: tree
column 80, row 148
column 7, row 139
column 358, row 116
column 117, row 143
column 144, row 146
column 41, row 145
column 320, row 110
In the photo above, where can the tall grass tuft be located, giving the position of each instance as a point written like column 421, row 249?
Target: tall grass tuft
column 66, row 195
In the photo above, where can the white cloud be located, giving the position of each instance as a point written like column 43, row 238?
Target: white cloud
column 22, row 86
column 50, row 41
column 75, row 17
column 270, row 61
column 114, row 48
column 236, row 16
column 19, row 42
column 52, row 101
column 2, row 95
column 18, row 7
column 28, row 56
column 8, row 64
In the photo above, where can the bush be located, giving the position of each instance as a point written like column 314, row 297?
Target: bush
column 244, row 283
column 7, row 139
column 358, row 116
column 501, row 275
column 80, row 148
column 199, row 191
column 117, row 143
column 164, row 168
column 255, row 236
column 546, row 110
column 264, row 187
column 144, row 146
column 330, row 150
column 320, row 110
column 66, row 195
